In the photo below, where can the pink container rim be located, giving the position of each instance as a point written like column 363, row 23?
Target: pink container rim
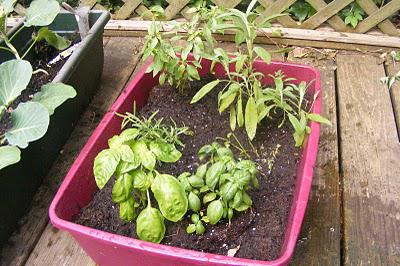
column 298, row 207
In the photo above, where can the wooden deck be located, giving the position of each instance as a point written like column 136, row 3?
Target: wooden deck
column 353, row 216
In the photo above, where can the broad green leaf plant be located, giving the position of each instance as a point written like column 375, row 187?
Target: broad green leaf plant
column 132, row 157
column 219, row 186
column 30, row 119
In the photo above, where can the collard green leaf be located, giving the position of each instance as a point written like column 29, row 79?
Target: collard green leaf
column 263, row 54
column 8, row 6
column 122, row 188
column 29, row 123
column 147, row 158
column 53, row 95
column 165, row 152
column 15, row 76
column 52, row 38
column 170, row 196
column 9, row 155
column 127, row 210
column 251, row 118
column 105, row 164
column 204, row 90
column 41, row 12
column 215, row 210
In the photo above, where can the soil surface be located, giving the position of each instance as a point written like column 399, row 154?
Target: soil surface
column 39, row 58
column 257, row 233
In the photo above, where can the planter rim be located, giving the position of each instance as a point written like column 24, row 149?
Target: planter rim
column 295, row 216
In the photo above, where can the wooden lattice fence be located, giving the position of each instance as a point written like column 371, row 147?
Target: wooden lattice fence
column 325, row 13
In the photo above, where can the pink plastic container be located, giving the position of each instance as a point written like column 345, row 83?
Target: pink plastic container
column 108, row 249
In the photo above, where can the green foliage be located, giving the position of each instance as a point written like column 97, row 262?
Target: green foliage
column 164, row 47
column 352, row 14
column 242, row 87
column 219, row 186
column 302, row 10
column 132, row 157
column 29, row 120
column 291, row 100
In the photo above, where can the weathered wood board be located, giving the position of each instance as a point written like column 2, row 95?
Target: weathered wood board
column 370, row 156
column 319, row 240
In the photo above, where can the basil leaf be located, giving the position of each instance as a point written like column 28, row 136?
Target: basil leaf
column 215, row 211
column 194, row 202
column 171, row 197
column 213, row 174
column 150, row 225
column 105, row 164
column 165, row 152
column 141, row 180
column 147, row 158
column 127, row 209
column 122, row 188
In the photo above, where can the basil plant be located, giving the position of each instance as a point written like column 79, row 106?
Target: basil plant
column 132, row 157
column 29, row 120
column 219, row 186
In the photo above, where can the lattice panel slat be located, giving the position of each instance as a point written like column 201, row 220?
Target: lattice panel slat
column 326, row 13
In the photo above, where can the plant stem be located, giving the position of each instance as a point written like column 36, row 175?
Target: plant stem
column 148, row 198
column 10, row 46
column 16, row 33
column 6, row 49
column 30, row 47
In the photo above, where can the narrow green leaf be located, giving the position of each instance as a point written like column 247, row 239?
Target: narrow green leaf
column 318, row 118
column 261, row 52
column 251, row 118
column 204, row 90
column 232, row 120
column 239, row 109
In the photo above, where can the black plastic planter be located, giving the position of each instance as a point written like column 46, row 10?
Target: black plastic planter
column 19, row 182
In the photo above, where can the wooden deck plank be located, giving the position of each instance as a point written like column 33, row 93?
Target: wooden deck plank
column 319, row 240
column 370, row 155
column 68, row 251
column 121, row 55
column 391, row 70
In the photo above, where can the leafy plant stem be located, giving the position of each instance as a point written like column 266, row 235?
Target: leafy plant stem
column 10, row 46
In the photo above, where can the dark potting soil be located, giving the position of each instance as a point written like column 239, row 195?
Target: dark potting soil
column 41, row 55
column 257, row 233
